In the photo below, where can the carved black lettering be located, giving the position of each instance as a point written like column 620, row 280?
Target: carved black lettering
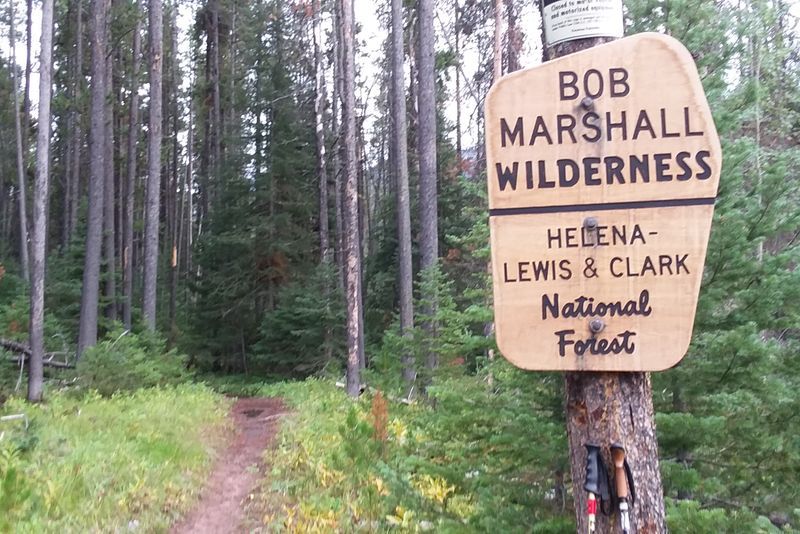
column 614, row 166
column 590, row 171
column 567, row 85
column 505, row 274
column 664, row 264
column 640, row 167
column 619, row 82
column 563, row 342
column 687, row 127
column 701, row 158
column 680, row 263
column 622, row 126
column 566, row 271
column 541, row 270
column 529, row 174
column 507, row 176
column 507, row 135
column 680, row 159
column 590, row 122
column 540, row 130
column 543, row 182
column 553, row 237
column 568, row 172
column 566, row 124
column 587, row 83
column 643, row 124
column 662, row 167
column 611, row 267
column 664, row 132
column 522, row 271
column 550, row 306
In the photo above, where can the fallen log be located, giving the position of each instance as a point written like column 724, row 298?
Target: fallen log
column 24, row 352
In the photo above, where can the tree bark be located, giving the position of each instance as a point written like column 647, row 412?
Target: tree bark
column 109, row 195
column 77, row 140
column 22, row 186
column 400, row 160
column 26, row 103
column 40, row 195
column 607, row 408
column 153, row 203
column 319, row 116
column 87, row 335
column 351, row 229
column 130, row 182
column 429, row 226
column 497, row 49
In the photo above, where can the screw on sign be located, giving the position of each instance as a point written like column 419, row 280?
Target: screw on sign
column 602, row 170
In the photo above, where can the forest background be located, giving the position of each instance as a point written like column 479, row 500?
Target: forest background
column 252, row 194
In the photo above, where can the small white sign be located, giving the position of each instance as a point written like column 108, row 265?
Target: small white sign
column 565, row 20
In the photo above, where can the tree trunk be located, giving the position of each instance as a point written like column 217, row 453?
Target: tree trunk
column 400, row 160
column 77, row 140
column 153, row 202
column 351, row 230
column 215, row 87
column 87, row 336
column 190, row 189
column 109, row 235
column 130, row 182
column 457, row 31
column 337, row 149
column 40, row 195
column 174, row 243
column 607, row 408
column 429, row 231
column 319, row 115
column 26, row 103
column 497, row 57
column 22, row 186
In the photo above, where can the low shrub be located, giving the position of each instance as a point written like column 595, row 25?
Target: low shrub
column 126, row 361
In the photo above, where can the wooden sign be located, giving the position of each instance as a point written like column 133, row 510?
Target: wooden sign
column 603, row 169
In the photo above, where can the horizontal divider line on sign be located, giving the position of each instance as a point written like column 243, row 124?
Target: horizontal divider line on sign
column 635, row 205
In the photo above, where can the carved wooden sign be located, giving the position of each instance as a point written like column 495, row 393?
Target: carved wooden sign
column 603, row 169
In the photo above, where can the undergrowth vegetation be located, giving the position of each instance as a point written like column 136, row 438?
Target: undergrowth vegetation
column 476, row 458
column 85, row 463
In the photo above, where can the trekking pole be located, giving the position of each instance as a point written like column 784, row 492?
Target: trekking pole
column 592, row 482
column 622, row 478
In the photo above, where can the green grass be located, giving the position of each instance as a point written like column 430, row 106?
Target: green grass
column 93, row 464
column 466, row 466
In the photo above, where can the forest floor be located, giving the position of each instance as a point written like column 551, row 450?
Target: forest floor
column 238, row 469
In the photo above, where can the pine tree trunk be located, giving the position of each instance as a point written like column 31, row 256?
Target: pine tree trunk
column 337, row 150
column 26, row 103
column 429, row 230
column 457, row 31
column 607, row 408
column 351, row 229
column 77, row 139
column 40, row 195
column 153, row 202
column 319, row 112
column 190, row 189
column 87, row 335
column 109, row 234
column 22, row 186
column 174, row 243
column 400, row 160
column 130, row 181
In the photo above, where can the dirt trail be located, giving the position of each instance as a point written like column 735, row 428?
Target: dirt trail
column 237, row 469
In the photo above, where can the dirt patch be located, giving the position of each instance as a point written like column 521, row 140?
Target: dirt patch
column 237, row 471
